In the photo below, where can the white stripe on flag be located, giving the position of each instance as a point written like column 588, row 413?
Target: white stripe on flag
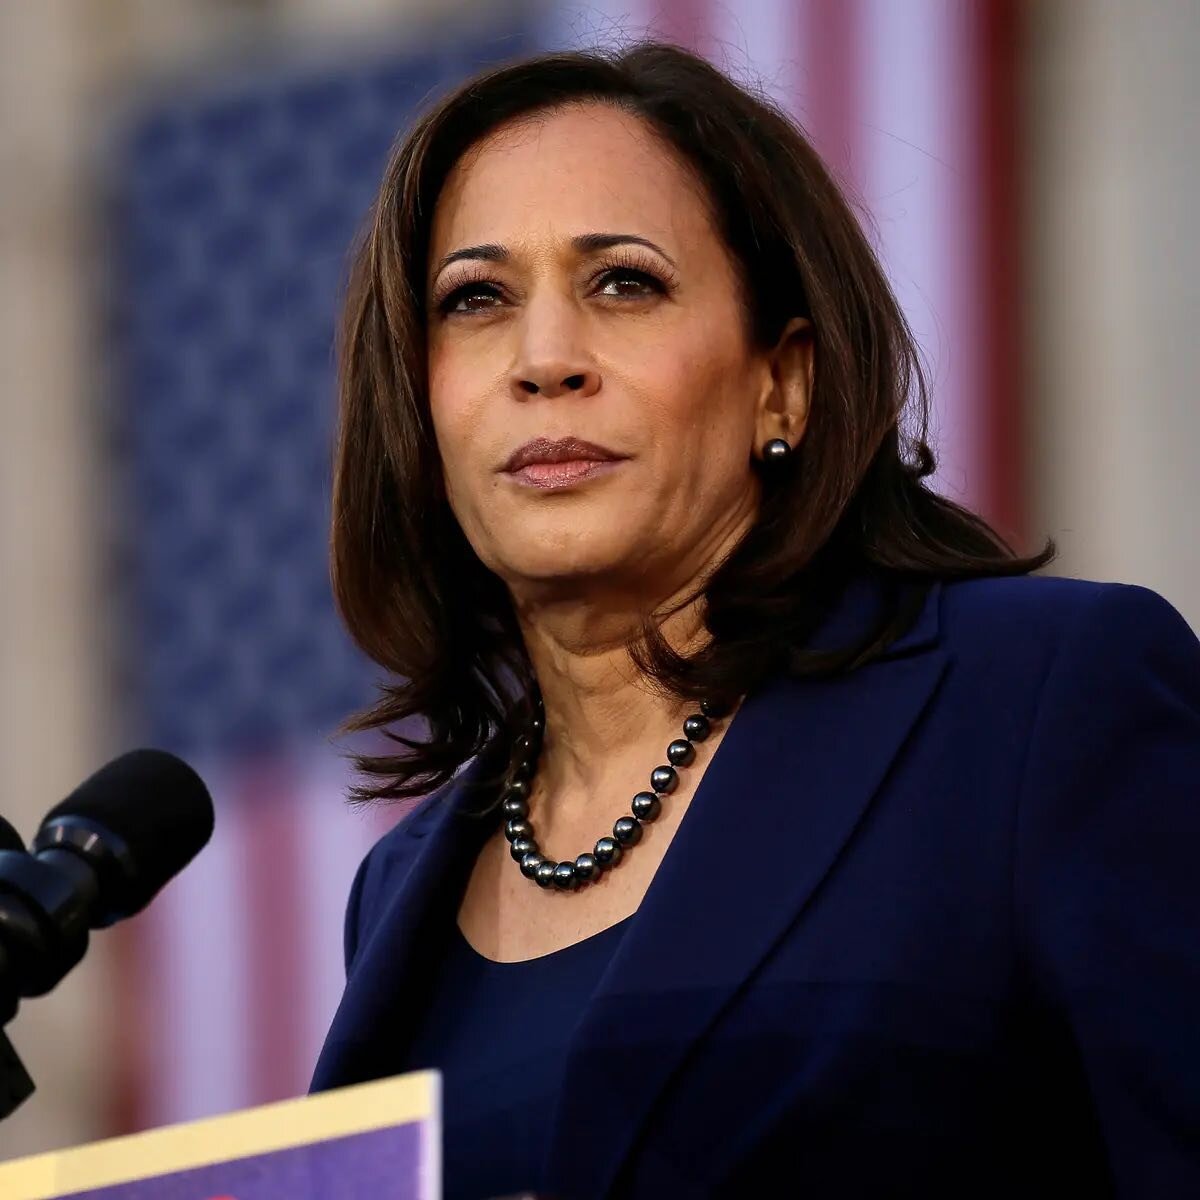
column 759, row 44
column 200, row 1066
column 916, row 180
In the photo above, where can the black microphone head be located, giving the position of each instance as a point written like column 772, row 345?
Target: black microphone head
column 140, row 819
column 10, row 839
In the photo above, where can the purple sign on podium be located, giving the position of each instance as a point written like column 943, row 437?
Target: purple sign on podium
column 376, row 1141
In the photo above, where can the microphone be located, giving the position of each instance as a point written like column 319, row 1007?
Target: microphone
column 98, row 857
column 137, row 822
column 10, row 839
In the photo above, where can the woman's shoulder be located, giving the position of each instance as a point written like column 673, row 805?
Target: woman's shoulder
column 413, row 820
column 1065, row 646
column 1039, row 614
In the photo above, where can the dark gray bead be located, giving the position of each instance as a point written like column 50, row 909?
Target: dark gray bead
column 646, row 806
column 586, row 867
column 524, row 746
column 681, row 753
column 518, row 827
column 530, row 864
column 537, row 725
column 776, row 450
column 607, row 852
column 697, row 727
column 521, row 771
column 564, row 877
column 522, row 847
column 518, row 788
column 514, row 808
column 715, row 708
column 664, row 779
column 544, row 875
column 627, row 831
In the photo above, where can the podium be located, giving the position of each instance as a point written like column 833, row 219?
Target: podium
column 373, row 1141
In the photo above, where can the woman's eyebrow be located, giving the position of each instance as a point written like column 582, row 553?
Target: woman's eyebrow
column 585, row 243
column 589, row 243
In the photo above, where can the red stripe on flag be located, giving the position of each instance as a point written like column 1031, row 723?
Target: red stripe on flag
column 684, row 22
column 137, row 1024
column 276, row 974
column 994, row 40
column 829, row 90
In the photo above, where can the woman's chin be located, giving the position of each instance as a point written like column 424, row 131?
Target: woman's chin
column 548, row 569
column 577, row 559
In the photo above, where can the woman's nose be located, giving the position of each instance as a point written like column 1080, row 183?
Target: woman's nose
column 557, row 379
column 551, row 361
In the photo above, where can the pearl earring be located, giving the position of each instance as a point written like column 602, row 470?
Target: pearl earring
column 776, row 450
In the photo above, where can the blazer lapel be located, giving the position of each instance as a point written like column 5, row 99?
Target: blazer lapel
column 382, row 990
column 785, row 790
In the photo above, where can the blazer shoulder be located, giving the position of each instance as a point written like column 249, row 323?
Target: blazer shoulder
column 419, row 818
column 1037, row 613
column 377, row 867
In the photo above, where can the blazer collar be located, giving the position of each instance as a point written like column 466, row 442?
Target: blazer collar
column 861, row 603
column 788, row 785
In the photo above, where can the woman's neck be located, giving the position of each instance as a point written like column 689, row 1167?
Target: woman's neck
column 601, row 712
column 599, row 709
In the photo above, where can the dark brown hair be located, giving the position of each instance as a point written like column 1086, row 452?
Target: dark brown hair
column 413, row 594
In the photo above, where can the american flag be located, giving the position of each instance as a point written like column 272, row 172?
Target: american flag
column 234, row 199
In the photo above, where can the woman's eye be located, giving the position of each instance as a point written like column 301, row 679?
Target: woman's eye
column 642, row 283
column 625, row 283
column 460, row 299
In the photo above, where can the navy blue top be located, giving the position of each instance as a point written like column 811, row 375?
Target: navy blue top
column 499, row 1033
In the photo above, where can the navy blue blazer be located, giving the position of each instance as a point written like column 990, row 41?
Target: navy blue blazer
column 928, row 929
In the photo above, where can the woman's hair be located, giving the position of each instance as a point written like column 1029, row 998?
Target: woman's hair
column 851, row 500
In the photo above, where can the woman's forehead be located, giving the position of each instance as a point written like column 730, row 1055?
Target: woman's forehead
column 581, row 168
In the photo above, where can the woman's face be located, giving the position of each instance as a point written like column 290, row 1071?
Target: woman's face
column 590, row 297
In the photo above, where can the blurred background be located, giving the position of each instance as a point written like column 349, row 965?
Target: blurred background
column 179, row 183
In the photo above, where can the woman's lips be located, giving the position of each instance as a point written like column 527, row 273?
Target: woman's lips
column 549, row 475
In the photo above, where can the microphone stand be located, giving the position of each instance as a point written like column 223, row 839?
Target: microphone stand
column 16, row 1086
column 44, row 905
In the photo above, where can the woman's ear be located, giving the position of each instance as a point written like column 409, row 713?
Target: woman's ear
column 784, row 404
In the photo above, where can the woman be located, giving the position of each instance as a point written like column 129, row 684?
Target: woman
column 908, row 905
